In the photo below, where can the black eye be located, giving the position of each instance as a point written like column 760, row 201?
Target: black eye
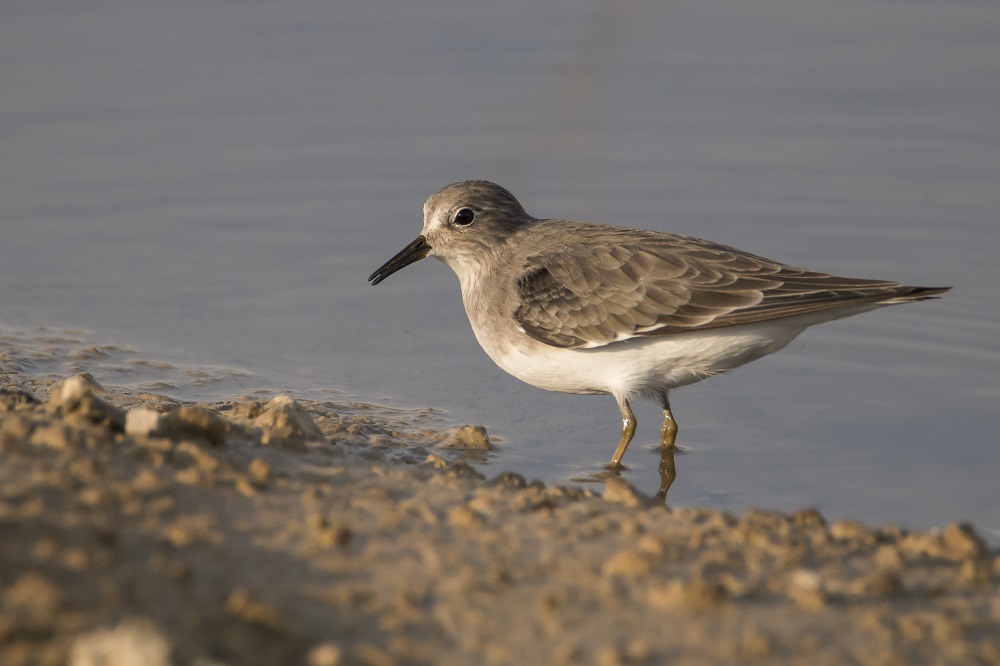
column 464, row 217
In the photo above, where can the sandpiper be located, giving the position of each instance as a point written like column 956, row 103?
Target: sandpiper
column 598, row 309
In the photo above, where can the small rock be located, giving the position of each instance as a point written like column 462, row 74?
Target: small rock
column 849, row 530
column 468, row 437
column 509, row 480
column 888, row 558
column 961, row 541
column 75, row 559
column 532, row 498
column 70, row 390
column 463, row 470
column 976, row 571
column 436, row 461
column 75, row 396
column 620, row 492
column 73, row 388
column 284, row 423
column 325, row 654
column 808, row 518
column 135, row 641
column 192, row 421
column 142, row 422
column 805, row 588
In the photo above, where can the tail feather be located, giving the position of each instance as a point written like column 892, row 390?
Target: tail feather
column 906, row 293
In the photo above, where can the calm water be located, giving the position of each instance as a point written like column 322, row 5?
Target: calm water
column 211, row 183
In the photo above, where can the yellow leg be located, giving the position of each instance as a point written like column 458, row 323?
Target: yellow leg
column 628, row 431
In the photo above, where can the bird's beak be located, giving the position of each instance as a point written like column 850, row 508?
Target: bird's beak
column 413, row 252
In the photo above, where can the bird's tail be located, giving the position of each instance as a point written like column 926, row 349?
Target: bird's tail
column 906, row 293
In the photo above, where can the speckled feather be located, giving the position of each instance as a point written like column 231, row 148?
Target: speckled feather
column 598, row 284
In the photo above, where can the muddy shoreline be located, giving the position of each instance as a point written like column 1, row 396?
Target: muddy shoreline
column 138, row 529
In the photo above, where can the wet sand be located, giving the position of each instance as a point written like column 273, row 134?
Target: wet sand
column 137, row 529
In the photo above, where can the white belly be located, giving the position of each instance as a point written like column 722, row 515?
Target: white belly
column 642, row 365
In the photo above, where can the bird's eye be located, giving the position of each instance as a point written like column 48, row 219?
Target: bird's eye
column 464, row 217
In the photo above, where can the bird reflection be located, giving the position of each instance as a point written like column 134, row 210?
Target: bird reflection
column 667, row 469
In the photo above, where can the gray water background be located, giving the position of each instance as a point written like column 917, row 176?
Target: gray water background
column 210, row 183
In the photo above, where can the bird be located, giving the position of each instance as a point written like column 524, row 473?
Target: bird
column 588, row 308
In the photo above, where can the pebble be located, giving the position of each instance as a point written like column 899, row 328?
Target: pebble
column 195, row 422
column 468, row 437
column 75, row 395
column 283, row 421
column 142, row 422
column 620, row 492
column 325, row 654
column 134, row 641
column 805, row 588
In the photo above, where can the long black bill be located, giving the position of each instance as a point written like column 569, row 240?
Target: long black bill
column 413, row 252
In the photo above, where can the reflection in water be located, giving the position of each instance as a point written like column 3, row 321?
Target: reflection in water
column 667, row 468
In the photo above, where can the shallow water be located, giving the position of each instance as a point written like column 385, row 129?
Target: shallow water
column 209, row 184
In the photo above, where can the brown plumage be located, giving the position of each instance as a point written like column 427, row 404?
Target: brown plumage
column 615, row 283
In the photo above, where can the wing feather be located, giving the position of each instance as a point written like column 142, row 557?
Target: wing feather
column 613, row 284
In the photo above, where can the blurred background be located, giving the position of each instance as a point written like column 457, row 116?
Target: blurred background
column 205, row 186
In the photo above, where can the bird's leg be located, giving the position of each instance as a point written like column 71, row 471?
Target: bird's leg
column 628, row 431
column 668, row 435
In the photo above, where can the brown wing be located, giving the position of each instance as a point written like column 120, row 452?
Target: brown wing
column 591, row 293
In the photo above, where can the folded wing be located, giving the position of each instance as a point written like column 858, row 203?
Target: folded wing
column 660, row 284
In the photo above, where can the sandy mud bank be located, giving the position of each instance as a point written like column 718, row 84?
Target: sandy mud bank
column 136, row 529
